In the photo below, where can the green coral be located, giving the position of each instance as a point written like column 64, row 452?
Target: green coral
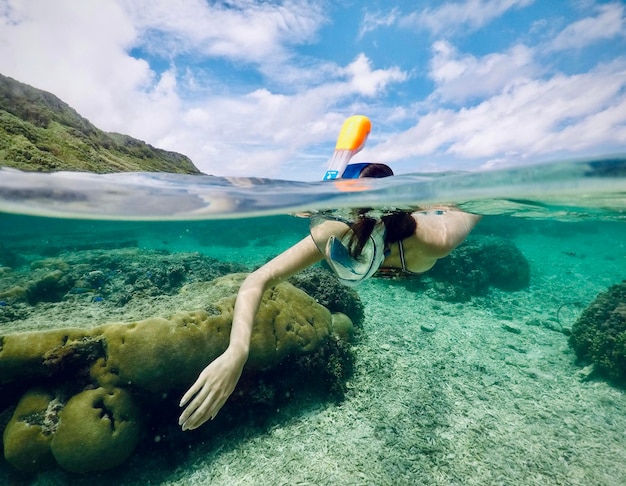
column 599, row 335
column 147, row 354
column 325, row 288
column 37, row 354
column 98, row 429
column 478, row 264
column 110, row 276
column 105, row 369
column 28, row 435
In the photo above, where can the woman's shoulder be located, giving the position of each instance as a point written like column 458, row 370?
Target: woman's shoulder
column 440, row 229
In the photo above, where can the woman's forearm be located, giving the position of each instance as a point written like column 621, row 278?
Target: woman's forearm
column 296, row 258
column 246, row 307
column 216, row 382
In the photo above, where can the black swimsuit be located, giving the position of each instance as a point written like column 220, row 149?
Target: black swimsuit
column 393, row 272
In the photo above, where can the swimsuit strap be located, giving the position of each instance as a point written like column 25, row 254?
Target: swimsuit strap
column 394, row 272
column 401, row 248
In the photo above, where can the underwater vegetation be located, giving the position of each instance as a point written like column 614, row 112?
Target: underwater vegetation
column 599, row 335
column 83, row 399
column 86, row 399
column 115, row 277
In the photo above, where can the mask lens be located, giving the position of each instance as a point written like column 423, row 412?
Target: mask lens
column 332, row 238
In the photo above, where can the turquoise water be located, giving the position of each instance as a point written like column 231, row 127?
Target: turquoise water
column 483, row 389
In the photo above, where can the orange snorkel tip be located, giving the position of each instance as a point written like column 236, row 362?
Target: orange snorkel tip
column 351, row 140
column 353, row 134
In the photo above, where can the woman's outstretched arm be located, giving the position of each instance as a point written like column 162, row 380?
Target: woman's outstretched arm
column 218, row 380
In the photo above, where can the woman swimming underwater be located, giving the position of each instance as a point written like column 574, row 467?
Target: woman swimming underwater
column 355, row 248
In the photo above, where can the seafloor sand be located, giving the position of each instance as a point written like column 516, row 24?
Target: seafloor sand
column 483, row 393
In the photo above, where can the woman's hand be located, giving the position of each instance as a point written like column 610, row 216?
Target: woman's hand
column 218, row 380
column 212, row 388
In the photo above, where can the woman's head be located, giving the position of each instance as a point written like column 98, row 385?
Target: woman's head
column 376, row 170
column 356, row 258
column 366, row 169
column 398, row 225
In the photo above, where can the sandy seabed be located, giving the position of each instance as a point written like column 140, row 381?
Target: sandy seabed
column 479, row 393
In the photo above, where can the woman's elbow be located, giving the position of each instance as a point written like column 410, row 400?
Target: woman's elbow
column 257, row 278
column 443, row 249
column 457, row 232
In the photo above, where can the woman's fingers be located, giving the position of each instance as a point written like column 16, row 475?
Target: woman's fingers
column 191, row 392
column 200, row 405
column 199, row 394
column 204, row 405
column 192, row 420
column 200, row 415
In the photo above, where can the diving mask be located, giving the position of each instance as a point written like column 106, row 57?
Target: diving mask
column 350, row 270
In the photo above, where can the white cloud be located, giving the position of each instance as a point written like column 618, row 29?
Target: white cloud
column 560, row 115
column 374, row 20
column 234, row 127
column 461, row 77
column 78, row 51
column 511, row 108
column 243, row 30
column 609, row 23
column 471, row 14
column 370, row 82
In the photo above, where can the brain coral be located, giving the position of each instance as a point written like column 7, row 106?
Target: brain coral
column 28, row 435
column 98, row 429
column 89, row 420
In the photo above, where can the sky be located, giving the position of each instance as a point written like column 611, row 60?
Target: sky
column 261, row 89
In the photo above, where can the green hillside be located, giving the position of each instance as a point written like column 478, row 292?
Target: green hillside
column 39, row 132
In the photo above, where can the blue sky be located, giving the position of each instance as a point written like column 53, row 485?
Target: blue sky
column 249, row 88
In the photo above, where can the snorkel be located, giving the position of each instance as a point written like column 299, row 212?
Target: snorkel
column 350, row 269
column 351, row 140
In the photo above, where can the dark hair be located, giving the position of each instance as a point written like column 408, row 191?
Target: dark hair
column 376, row 170
column 398, row 225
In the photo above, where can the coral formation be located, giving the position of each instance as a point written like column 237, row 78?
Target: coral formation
column 325, row 288
column 478, row 264
column 599, row 336
column 106, row 371
column 28, row 435
column 116, row 277
column 98, row 429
